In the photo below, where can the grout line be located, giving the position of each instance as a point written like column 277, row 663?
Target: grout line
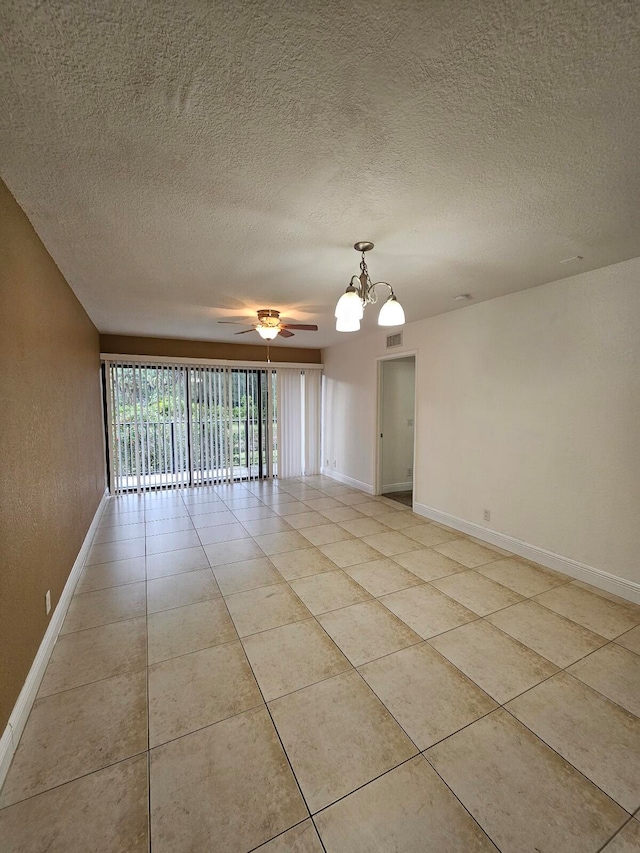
column 280, row 834
column 564, row 758
column 177, row 574
column 626, row 648
column 536, row 598
column 92, row 681
column 207, row 725
column 609, row 840
column 364, row 784
column 304, row 800
column 595, row 689
column 102, row 588
column 466, row 725
column 348, row 669
column 148, row 801
column 457, row 798
column 195, row 652
column 559, row 669
column 143, row 752
column 104, row 624
column 168, row 532
column 214, row 597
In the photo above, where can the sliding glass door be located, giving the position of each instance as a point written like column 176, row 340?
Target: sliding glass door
column 180, row 425
column 229, row 407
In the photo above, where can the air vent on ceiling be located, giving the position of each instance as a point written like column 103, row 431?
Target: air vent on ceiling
column 394, row 340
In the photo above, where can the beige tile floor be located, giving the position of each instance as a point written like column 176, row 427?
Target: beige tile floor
column 297, row 666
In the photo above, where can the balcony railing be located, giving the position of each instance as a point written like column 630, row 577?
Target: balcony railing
column 152, row 451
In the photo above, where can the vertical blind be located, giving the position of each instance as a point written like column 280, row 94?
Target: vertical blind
column 312, row 416
column 298, row 422
column 149, row 436
column 289, row 423
column 174, row 425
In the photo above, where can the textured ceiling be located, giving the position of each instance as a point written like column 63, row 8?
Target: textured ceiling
column 185, row 162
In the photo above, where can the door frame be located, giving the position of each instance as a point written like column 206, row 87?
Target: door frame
column 377, row 483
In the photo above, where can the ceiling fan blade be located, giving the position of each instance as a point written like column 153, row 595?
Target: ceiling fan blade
column 234, row 322
column 284, row 333
column 298, row 326
column 245, row 332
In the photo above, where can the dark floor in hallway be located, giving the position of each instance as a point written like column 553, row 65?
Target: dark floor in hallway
column 405, row 498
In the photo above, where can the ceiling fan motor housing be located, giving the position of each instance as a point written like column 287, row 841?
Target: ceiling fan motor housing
column 269, row 317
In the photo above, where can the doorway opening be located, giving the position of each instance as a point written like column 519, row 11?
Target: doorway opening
column 396, row 428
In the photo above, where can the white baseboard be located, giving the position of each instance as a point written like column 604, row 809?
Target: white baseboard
column 347, row 481
column 17, row 721
column 596, row 577
column 6, row 752
column 397, row 487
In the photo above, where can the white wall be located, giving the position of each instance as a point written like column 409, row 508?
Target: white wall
column 528, row 405
column 398, row 395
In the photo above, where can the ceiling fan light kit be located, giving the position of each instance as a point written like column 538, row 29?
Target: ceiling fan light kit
column 362, row 292
column 268, row 333
column 269, row 325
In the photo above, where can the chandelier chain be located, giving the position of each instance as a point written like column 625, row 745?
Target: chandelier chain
column 367, row 292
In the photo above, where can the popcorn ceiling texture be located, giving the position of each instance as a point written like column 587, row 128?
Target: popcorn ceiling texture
column 185, row 162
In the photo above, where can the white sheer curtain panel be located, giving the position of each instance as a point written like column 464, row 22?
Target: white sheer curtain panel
column 289, row 422
column 312, row 406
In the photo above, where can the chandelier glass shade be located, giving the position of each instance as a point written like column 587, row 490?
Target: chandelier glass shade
column 347, row 324
column 362, row 292
column 350, row 305
column 391, row 313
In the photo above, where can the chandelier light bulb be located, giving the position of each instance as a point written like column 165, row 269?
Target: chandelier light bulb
column 347, row 324
column 391, row 313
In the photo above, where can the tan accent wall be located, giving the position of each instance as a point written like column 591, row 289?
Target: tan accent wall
column 178, row 348
column 52, row 475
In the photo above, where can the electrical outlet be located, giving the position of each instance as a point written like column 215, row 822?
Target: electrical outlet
column 409, row 472
column 47, row 602
column 334, row 463
column 326, row 462
column 487, row 515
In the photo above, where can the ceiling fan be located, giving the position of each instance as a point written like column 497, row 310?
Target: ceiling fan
column 269, row 325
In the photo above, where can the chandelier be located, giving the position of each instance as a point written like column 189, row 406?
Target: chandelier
column 360, row 293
